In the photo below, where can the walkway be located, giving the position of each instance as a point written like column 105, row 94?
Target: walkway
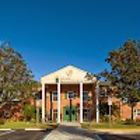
column 70, row 131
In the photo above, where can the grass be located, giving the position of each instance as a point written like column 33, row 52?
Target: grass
column 23, row 125
column 114, row 128
column 106, row 126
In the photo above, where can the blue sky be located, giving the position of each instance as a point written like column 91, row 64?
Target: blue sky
column 51, row 34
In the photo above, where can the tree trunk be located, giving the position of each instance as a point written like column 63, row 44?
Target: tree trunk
column 132, row 117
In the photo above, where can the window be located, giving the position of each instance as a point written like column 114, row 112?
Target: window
column 54, row 114
column 67, row 112
column 54, row 96
column 103, row 93
column 138, row 112
column 73, row 112
column 70, row 95
column 86, row 114
column 85, row 96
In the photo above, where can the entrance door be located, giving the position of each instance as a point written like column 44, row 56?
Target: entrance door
column 70, row 113
column 66, row 113
column 73, row 113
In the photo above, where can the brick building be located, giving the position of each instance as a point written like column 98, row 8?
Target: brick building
column 68, row 94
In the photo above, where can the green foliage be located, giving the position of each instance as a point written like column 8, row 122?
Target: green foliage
column 125, row 72
column 104, row 112
column 103, row 108
column 29, row 112
column 104, row 118
column 128, row 122
column 137, row 122
column 2, row 121
column 16, row 80
column 1, row 113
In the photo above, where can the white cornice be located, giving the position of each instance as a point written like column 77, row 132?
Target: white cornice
column 68, row 74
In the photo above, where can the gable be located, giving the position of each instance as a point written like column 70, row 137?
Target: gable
column 68, row 74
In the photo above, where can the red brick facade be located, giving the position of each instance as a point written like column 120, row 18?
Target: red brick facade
column 66, row 102
column 125, row 110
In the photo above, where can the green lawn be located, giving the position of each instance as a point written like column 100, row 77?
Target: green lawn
column 106, row 126
column 22, row 125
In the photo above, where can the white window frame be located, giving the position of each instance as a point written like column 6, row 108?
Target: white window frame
column 53, row 96
column 53, row 112
column 87, row 96
column 138, row 112
column 87, row 112
column 103, row 93
column 68, row 95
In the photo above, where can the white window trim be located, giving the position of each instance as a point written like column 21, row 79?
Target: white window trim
column 83, row 96
column 53, row 95
column 87, row 112
column 68, row 94
column 137, row 112
column 52, row 113
column 105, row 93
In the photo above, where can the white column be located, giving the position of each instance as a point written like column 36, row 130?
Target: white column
column 58, row 102
column 97, row 103
column 43, row 102
column 81, row 102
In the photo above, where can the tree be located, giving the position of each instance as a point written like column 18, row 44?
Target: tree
column 125, row 72
column 16, row 80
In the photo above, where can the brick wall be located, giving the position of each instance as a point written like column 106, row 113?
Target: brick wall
column 125, row 110
column 66, row 102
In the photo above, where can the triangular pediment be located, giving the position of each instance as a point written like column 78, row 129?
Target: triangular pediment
column 68, row 74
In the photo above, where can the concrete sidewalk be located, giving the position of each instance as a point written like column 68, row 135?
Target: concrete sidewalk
column 70, row 131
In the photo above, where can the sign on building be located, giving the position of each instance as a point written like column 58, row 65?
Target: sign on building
column 109, row 101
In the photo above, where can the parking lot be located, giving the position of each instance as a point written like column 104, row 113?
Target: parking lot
column 23, row 135
column 120, row 136
column 40, row 135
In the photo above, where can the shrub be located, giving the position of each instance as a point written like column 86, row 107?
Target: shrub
column 29, row 112
column 104, row 112
column 1, row 113
column 32, row 120
column 128, row 122
column 137, row 122
column 2, row 121
column 20, row 118
column 105, row 118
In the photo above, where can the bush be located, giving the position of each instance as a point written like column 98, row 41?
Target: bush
column 104, row 112
column 1, row 113
column 29, row 112
column 137, row 122
column 105, row 118
column 32, row 120
column 128, row 122
column 2, row 121
column 20, row 118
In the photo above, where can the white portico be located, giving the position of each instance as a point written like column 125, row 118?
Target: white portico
column 70, row 85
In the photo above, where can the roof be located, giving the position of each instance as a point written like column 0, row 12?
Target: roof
column 68, row 74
